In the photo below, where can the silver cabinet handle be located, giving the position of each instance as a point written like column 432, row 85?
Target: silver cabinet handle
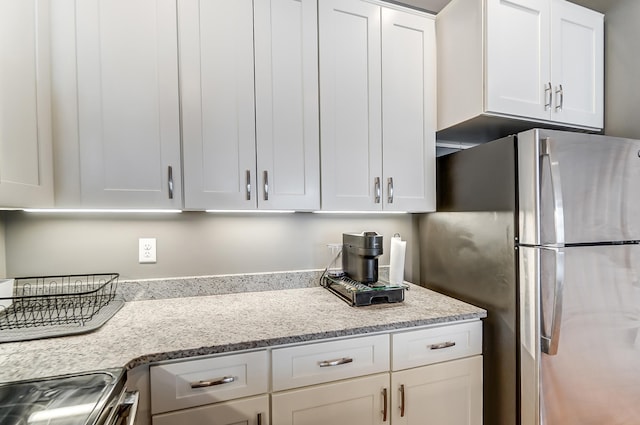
column 213, row 382
column 390, row 190
column 384, row 402
column 402, row 401
column 266, row 185
column 549, row 343
column 548, row 95
column 248, row 179
column 442, row 345
column 559, row 104
column 170, row 181
column 376, row 186
column 259, row 418
column 336, row 362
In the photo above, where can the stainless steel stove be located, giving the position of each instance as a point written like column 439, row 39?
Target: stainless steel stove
column 93, row 398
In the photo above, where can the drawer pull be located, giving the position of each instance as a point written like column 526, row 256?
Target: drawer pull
column 442, row 345
column 384, row 407
column 402, row 401
column 336, row 362
column 213, row 382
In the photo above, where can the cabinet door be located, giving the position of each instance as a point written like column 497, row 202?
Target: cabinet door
column 353, row 402
column 408, row 111
column 248, row 411
column 217, row 99
column 517, row 58
column 577, row 61
column 350, row 105
column 444, row 393
column 128, row 112
column 287, row 122
column 26, row 164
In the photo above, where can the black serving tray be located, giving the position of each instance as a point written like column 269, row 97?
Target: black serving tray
column 359, row 294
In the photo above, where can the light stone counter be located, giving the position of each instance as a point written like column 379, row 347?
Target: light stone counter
column 154, row 330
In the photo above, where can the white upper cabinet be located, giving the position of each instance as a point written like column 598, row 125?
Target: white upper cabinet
column 26, row 165
column 577, row 74
column 532, row 60
column 217, row 97
column 250, row 139
column 287, row 122
column 408, row 111
column 377, row 107
column 128, row 110
column 350, row 105
column 517, row 57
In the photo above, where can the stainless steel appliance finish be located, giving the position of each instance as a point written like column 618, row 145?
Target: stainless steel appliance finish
column 92, row 398
column 542, row 229
column 360, row 252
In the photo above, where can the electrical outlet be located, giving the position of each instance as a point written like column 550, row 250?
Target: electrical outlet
column 147, row 250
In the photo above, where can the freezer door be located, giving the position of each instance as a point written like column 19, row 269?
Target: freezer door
column 577, row 188
column 580, row 335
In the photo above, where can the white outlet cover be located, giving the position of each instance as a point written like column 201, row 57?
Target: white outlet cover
column 146, row 250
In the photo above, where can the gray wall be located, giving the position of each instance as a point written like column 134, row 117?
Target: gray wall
column 622, row 68
column 189, row 244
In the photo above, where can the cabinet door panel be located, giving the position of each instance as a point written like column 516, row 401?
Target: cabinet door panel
column 26, row 172
column 237, row 412
column 217, row 99
column 444, row 393
column 577, row 64
column 408, row 111
column 517, row 59
column 128, row 103
column 350, row 104
column 353, row 402
column 287, row 127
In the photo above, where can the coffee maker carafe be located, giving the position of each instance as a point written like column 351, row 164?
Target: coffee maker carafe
column 360, row 252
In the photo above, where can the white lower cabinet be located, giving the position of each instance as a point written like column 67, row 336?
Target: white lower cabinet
column 359, row 401
column 249, row 411
column 427, row 376
column 448, row 393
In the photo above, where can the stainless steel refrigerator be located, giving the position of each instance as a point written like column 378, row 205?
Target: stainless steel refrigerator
column 542, row 229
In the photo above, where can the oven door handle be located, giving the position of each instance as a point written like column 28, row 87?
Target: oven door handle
column 127, row 409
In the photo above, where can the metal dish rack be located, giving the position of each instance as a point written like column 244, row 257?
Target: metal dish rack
column 57, row 300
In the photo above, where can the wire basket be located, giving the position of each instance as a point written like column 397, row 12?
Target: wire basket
column 57, row 300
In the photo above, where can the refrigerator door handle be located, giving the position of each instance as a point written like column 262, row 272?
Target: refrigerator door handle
column 556, row 190
column 549, row 343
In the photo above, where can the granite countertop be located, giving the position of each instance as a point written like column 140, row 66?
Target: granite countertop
column 162, row 329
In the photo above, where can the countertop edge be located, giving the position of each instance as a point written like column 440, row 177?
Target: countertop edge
column 149, row 359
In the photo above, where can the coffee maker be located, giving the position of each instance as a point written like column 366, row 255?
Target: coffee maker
column 360, row 252
column 359, row 284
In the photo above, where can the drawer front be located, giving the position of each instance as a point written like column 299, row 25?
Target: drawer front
column 434, row 345
column 329, row 361
column 205, row 381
